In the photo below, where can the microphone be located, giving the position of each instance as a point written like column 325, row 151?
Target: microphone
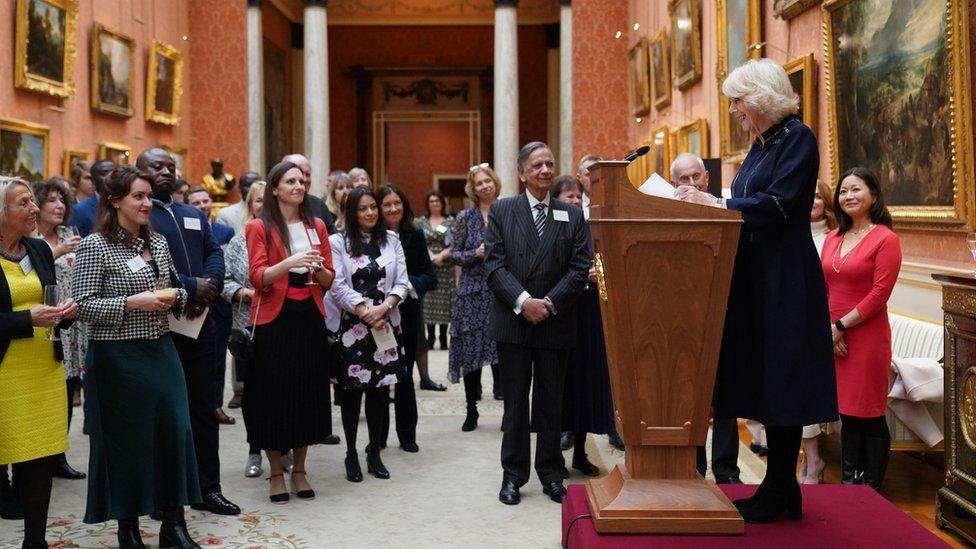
column 637, row 154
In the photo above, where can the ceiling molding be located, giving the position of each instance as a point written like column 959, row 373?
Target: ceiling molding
column 435, row 12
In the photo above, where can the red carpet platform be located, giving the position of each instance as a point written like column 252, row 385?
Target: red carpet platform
column 833, row 516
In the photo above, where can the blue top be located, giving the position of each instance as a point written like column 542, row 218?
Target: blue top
column 195, row 251
column 83, row 215
column 222, row 233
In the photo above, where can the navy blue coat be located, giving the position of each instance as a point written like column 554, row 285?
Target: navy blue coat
column 222, row 233
column 777, row 364
column 83, row 215
column 195, row 252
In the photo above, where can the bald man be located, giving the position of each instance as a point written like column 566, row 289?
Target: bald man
column 319, row 209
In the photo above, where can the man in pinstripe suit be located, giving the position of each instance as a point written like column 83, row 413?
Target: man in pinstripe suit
column 537, row 264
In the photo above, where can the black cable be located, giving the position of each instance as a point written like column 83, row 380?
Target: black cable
column 569, row 529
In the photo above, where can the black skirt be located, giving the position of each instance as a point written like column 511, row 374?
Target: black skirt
column 587, row 404
column 286, row 393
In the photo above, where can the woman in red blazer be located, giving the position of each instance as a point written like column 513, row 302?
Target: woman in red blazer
column 290, row 266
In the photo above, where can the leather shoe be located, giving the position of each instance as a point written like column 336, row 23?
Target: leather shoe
column 583, row 465
column 331, row 439
column 223, row 418
column 722, row 479
column 431, row 385
column 565, row 440
column 63, row 470
column 235, row 402
column 216, row 503
column 509, row 494
column 758, row 450
column 555, row 490
column 410, row 447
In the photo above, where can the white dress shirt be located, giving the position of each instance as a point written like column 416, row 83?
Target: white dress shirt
column 532, row 203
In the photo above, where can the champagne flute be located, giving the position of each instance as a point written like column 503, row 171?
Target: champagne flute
column 311, row 273
column 53, row 298
column 971, row 244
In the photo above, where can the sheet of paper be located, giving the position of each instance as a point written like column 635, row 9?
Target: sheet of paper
column 384, row 339
column 189, row 327
column 655, row 185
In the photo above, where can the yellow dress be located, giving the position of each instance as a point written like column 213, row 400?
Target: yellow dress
column 33, row 400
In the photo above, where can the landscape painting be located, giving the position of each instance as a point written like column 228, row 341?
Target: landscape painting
column 660, row 71
column 686, row 53
column 45, row 48
column 164, row 84
column 113, row 71
column 639, row 79
column 24, row 149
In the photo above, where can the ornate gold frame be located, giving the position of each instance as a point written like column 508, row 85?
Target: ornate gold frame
column 172, row 149
column 661, row 137
column 173, row 54
column 107, row 148
column 727, row 150
column 660, row 98
column 20, row 126
column 685, row 81
column 639, row 169
column 639, row 63
column 788, row 9
column 96, row 101
column 806, row 65
column 683, row 137
column 70, row 154
column 957, row 41
column 35, row 82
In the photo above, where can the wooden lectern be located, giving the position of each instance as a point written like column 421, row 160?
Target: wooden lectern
column 663, row 273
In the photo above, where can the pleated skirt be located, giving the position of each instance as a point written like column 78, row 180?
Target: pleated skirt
column 142, row 455
column 286, row 394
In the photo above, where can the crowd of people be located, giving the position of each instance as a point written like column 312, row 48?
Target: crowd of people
column 336, row 298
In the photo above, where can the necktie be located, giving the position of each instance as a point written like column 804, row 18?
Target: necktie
column 540, row 217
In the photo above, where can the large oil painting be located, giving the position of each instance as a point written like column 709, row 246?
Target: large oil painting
column 899, row 103
column 112, row 71
column 660, row 70
column 45, row 46
column 660, row 155
column 72, row 157
column 24, row 149
column 640, row 89
column 803, row 78
column 692, row 138
column 116, row 152
column 686, row 46
column 164, row 84
column 739, row 33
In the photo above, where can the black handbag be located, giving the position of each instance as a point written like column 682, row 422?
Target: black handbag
column 241, row 342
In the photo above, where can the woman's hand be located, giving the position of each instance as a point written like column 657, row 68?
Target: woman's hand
column 244, row 295
column 592, row 274
column 840, row 348
column 69, row 309
column 66, row 246
column 309, row 259
column 375, row 315
column 149, row 301
column 45, row 316
column 687, row 193
column 480, row 251
column 835, row 334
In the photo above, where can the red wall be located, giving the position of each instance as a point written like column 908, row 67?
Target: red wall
column 416, row 151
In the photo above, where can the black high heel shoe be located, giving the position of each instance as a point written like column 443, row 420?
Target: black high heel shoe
column 776, row 500
column 353, row 472
column 745, row 503
column 173, row 531
column 375, row 465
column 303, row 494
column 129, row 536
column 282, row 497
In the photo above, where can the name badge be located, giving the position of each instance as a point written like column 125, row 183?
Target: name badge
column 25, row 265
column 561, row 215
column 137, row 263
column 313, row 236
column 384, row 260
column 441, row 229
column 191, row 223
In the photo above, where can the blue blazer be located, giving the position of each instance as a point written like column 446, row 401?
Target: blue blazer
column 222, row 233
column 191, row 243
column 83, row 215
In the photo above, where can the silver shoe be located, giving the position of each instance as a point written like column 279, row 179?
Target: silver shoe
column 253, row 467
column 286, row 462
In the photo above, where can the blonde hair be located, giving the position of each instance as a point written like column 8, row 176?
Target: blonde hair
column 356, row 172
column 827, row 197
column 5, row 184
column 469, row 186
column 257, row 189
column 764, row 85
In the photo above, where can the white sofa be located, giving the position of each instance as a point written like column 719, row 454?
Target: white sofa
column 911, row 338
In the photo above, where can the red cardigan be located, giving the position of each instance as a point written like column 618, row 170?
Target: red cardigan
column 260, row 257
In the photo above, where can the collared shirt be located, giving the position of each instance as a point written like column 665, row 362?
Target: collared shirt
column 533, row 201
column 586, row 206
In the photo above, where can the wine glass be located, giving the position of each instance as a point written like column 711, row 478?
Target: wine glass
column 971, row 244
column 311, row 246
column 67, row 231
column 53, row 297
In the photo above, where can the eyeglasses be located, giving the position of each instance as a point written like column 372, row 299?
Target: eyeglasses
column 476, row 167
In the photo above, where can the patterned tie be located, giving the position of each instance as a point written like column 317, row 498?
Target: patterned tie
column 540, row 218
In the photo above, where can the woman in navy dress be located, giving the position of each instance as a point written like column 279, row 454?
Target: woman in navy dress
column 776, row 364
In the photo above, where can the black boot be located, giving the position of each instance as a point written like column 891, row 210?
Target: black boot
column 129, row 536
column 443, row 337
column 173, row 531
column 580, row 462
column 850, row 455
column 374, row 464
column 876, row 450
column 779, row 491
column 63, row 470
column 10, row 507
column 431, row 335
column 34, row 545
column 616, row 441
column 471, row 419
column 353, row 472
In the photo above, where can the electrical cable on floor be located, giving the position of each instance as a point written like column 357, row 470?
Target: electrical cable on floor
column 569, row 529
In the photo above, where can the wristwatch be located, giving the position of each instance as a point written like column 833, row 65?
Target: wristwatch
column 840, row 325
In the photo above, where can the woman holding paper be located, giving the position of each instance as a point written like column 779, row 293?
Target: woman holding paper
column 142, row 453
column 776, row 365
column 371, row 281
column 290, row 267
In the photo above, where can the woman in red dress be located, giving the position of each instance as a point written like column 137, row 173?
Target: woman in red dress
column 861, row 260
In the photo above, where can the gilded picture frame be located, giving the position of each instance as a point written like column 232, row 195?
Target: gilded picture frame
column 113, row 71
column 44, row 46
column 72, row 157
column 803, row 76
column 739, row 26
column 686, row 44
column 116, row 152
column 164, row 84
column 638, row 170
column 25, row 149
column 693, row 138
column 788, row 9
column 659, row 158
column 638, row 71
column 658, row 55
column 917, row 134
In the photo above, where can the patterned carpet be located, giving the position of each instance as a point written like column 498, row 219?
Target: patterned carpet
column 443, row 496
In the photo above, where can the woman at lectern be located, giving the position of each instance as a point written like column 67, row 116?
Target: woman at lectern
column 776, row 365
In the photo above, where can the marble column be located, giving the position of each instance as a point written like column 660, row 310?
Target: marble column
column 256, row 160
column 317, row 92
column 506, row 119
column 566, row 164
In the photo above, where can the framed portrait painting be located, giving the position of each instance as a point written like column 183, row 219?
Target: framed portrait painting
column 686, row 47
column 660, row 70
column 44, row 51
column 803, row 77
column 24, row 149
column 660, row 155
column 112, row 71
column 116, row 152
column 908, row 65
column 72, row 157
column 164, row 84
column 739, row 25
column 693, row 138
column 639, row 79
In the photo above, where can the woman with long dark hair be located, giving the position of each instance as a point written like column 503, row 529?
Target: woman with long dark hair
column 371, row 282
column 861, row 260
column 285, row 402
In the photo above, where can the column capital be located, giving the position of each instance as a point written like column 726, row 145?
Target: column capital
column 254, row 3
column 506, row 3
column 566, row 3
column 316, row 3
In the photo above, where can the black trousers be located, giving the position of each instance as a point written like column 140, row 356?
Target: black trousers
column 197, row 357
column 404, row 392
column 725, row 449
column 544, row 370
column 221, row 338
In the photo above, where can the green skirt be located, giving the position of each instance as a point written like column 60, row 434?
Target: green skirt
column 142, row 455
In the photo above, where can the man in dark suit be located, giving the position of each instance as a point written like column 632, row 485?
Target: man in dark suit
column 537, row 263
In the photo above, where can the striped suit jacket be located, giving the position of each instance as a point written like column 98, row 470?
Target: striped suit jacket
column 554, row 266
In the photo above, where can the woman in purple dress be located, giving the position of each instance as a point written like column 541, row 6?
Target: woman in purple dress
column 471, row 349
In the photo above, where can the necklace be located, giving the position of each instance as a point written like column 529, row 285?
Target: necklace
column 861, row 230
column 13, row 256
column 843, row 260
